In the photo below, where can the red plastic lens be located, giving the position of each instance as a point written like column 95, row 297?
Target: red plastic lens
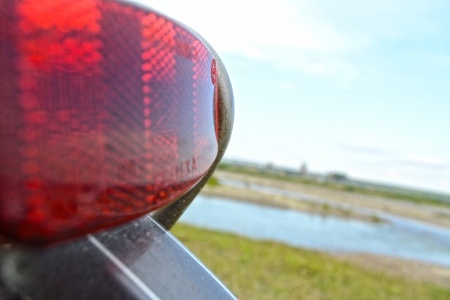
column 106, row 113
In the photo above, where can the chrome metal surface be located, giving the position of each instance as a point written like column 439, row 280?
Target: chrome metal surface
column 139, row 260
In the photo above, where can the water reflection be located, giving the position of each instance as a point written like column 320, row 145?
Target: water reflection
column 399, row 238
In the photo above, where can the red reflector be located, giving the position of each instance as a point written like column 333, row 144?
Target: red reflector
column 107, row 112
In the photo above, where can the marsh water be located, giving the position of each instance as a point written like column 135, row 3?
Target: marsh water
column 398, row 237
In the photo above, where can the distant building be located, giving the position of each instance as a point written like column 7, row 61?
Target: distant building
column 337, row 177
column 303, row 170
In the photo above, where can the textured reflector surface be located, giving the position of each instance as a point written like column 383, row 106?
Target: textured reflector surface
column 106, row 113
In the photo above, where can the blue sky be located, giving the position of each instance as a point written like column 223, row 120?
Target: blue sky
column 360, row 87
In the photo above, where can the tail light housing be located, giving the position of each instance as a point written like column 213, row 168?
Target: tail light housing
column 108, row 111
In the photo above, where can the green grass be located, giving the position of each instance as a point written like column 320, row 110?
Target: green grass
column 269, row 270
column 213, row 181
column 413, row 196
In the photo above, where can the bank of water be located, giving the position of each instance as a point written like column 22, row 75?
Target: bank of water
column 401, row 239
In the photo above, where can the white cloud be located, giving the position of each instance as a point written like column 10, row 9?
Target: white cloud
column 241, row 26
column 284, row 33
column 426, row 161
column 319, row 38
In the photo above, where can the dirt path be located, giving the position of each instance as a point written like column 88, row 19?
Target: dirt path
column 394, row 266
column 427, row 213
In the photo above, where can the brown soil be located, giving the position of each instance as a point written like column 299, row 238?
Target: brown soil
column 408, row 269
column 427, row 213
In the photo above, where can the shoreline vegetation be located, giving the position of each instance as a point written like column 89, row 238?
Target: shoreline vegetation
column 246, row 195
column 268, row 270
column 432, row 214
column 412, row 272
column 403, row 194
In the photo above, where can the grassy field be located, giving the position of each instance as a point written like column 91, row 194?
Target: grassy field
column 269, row 270
column 412, row 196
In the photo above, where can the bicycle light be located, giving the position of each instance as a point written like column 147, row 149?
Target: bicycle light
column 108, row 111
